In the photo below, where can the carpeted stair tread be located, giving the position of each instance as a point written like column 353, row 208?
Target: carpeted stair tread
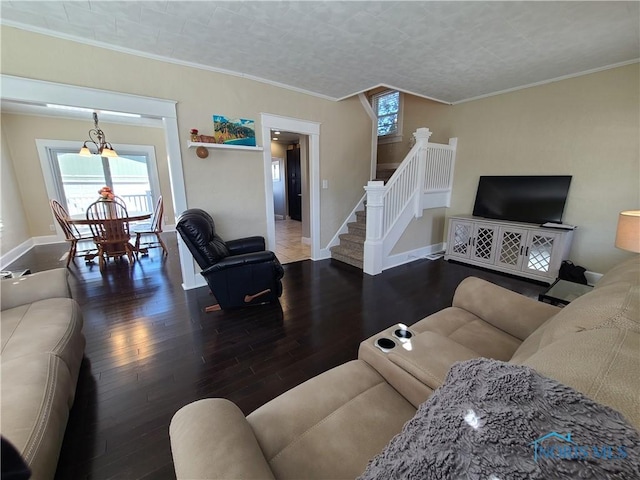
column 359, row 239
column 347, row 255
column 357, row 228
column 351, row 247
column 384, row 174
column 354, row 242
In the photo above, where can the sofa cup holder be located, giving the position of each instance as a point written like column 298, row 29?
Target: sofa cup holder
column 385, row 344
column 402, row 334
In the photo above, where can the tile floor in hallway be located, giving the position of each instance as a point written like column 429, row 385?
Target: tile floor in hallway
column 289, row 246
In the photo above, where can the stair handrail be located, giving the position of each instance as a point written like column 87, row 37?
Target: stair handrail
column 427, row 170
column 405, row 181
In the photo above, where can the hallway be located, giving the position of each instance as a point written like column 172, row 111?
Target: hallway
column 289, row 246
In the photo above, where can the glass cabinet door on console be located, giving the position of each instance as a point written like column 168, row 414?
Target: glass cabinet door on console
column 460, row 234
column 511, row 247
column 539, row 252
column 483, row 243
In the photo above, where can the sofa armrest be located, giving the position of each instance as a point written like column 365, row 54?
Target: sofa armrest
column 509, row 311
column 240, row 260
column 34, row 287
column 245, row 245
column 431, row 357
column 212, row 439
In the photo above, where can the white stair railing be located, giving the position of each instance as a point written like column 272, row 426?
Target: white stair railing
column 423, row 180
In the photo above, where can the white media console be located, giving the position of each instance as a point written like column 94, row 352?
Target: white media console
column 522, row 249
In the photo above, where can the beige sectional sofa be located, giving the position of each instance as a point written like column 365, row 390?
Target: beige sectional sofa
column 331, row 425
column 42, row 349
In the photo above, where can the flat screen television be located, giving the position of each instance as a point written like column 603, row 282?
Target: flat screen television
column 529, row 199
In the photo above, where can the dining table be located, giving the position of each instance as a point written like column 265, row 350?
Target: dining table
column 136, row 217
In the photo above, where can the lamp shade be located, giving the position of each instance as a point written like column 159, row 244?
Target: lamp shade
column 108, row 152
column 628, row 232
column 84, row 151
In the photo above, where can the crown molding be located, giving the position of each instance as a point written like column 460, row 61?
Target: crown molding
column 160, row 58
column 551, row 80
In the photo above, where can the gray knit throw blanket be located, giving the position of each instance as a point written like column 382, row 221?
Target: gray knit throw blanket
column 492, row 420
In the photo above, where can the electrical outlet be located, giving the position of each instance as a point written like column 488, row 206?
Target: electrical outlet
column 52, row 228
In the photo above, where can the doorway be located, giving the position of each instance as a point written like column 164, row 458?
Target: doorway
column 290, row 167
column 309, row 133
column 26, row 90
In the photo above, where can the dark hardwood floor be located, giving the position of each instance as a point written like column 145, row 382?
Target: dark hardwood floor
column 151, row 349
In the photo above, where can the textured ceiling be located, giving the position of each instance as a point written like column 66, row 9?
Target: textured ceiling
column 448, row 51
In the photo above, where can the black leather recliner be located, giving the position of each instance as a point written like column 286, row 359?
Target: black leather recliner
column 239, row 272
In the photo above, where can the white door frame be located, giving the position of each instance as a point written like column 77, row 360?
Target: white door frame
column 312, row 129
column 40, row 92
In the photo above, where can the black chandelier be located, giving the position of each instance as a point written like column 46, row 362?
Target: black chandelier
column 99, row 139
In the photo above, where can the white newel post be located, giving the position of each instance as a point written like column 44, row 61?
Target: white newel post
column 372, row 263
column 422, row 138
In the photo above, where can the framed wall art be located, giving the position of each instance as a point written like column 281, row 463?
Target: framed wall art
column 234, row 131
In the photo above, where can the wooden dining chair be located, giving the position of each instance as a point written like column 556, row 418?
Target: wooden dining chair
column 71, row 233
column 110, row 229
column 154, row 227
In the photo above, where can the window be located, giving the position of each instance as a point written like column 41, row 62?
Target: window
column 74, row 180
column 388, row 108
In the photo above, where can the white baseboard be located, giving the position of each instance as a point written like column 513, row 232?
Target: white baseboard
column 279, row 217
column 15, row 253
column 200, row 282
column 592, row 277
column 306, row 240
column 47, row 240
column 410, row 256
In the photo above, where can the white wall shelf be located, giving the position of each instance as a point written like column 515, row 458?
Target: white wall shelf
column 223, row 146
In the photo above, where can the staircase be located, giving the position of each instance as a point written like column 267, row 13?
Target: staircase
column 350, row 250
column 351, row 247
column 422, row 181
column 384, row 174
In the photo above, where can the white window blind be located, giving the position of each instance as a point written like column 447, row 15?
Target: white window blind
column 388, row 108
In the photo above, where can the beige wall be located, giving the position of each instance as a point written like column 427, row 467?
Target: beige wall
column 23, row 130
column 229, row 184
column 426, row 230
column 418, row 112
column 13, row 224
column 586, row 127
